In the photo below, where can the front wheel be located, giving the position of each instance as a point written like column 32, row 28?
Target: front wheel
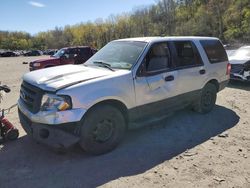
column 207, row 99
column 102, row 129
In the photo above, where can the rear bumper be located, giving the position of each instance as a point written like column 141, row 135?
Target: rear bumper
column 53, row 136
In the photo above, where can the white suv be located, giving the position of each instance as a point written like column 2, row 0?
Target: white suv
column 127, row 82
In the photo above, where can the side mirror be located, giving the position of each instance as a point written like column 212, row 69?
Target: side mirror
column 142, row 71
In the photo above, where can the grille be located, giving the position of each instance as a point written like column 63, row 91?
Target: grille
column 31, row 96
column 237, row 68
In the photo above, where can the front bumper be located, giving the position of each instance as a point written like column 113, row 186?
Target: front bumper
column 240, row 72
column 32, row 69
column 54, row 136
column 52, row 117
column 240, row 77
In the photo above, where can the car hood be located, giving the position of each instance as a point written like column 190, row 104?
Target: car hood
column 55, row 78
column 45, row 60
column 238, row 59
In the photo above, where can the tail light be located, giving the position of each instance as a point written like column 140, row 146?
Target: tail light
column 228, row 69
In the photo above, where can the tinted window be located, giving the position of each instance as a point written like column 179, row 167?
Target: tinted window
column 84, row 50
column 72, row 51
column 187, row 54
column 69, row 53
column 85, row 53
column 214, row 50
column 59, row 53
column 158, row 57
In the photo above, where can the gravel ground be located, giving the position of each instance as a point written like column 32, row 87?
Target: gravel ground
column 184, row 150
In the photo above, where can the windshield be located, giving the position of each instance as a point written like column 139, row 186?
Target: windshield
column 59, row 53
column 242, row 52
column 118, row 54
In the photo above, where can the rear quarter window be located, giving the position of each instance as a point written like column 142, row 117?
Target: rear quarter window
column 214, row 50
column 187, row 54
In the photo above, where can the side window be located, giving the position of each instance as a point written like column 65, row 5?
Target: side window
column 85, row 53
column 187, row 54
column 214, row 50
column 158, row 58
column 70, row 53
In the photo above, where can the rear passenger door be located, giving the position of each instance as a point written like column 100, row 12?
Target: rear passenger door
column 190, row 68
column 85, row 54
column 69, row 56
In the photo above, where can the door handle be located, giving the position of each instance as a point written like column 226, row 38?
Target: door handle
column 202, row 71
column 169, row 78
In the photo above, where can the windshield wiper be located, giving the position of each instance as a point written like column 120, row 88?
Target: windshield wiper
column 103, row 64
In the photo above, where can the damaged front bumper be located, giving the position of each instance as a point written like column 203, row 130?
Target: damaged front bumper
column 240, row 72
column 52, row 117
column 56, row 129
column 57, row 136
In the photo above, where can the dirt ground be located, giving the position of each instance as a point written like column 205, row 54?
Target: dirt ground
column 185, row 150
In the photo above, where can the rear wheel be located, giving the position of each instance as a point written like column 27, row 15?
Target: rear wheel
column 102, row 129
column 207, row 99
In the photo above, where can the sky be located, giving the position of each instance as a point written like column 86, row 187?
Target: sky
column 42, row 15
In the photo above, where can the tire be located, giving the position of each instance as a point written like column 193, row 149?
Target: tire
column 207, row 99
column 102, row 129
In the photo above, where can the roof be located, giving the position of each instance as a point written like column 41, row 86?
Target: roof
column 72, row 47
column 155, row 39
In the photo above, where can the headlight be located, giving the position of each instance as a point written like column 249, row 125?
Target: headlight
column 55, row 103
column 36, row 64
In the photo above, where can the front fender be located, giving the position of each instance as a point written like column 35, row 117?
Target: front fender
column 100, row 95
column 119, row 87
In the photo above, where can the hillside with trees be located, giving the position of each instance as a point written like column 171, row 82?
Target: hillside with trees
column 227, row 19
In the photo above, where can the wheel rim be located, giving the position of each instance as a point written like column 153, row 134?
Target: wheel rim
column 103, row 130
column 207, row 98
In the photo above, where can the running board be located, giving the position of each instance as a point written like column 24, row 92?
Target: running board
column 147, row 121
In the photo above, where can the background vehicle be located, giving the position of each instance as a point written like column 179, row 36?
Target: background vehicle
column 70, row 55
column 125, row 84
column 33, row 53
column 50, row 52
column 240, row 64
column 9, row 54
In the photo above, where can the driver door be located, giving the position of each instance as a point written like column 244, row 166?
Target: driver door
column 156, row 83
column 68, row 57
